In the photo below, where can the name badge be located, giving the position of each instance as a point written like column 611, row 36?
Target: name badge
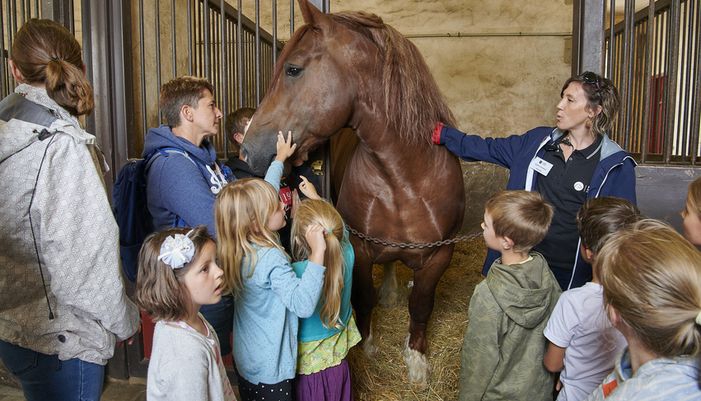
column 541, row 166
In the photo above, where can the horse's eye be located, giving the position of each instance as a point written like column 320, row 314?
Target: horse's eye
column 293, row 71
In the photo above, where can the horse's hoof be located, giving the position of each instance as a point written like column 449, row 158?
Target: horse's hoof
column 389, row 299
column 417, row 366
column 369, row 345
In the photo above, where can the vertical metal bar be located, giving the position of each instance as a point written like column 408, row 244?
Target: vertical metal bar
column 173, row 39
column 612, row 39
column 627, row 79
column 189, row 37
column 257, row 50
column 647, row 76
column 224, row 76
column 158, row 54
column 239, row 53
column 206, row 49
column 292, row 17
column 36, row 8
column 672, row 58
column 696, row 103
column 686, row 71
column 23, row 12
column 86, row 22
column 274, row 6
column 142, row 66
column 4, row 84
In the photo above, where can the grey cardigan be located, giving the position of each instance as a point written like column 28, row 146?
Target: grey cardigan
column 76, row 237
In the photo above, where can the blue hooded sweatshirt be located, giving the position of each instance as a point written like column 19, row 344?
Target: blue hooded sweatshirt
column 181, row 189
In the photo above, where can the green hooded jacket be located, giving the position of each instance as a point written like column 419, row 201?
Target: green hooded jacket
column 502, row 355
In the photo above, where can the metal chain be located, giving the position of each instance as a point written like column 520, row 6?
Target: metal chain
column 413, row 245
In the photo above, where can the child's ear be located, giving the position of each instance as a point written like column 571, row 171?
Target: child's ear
column 587, row 254
column 506, row 243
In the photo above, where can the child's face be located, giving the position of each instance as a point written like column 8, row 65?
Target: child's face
column 277, row 220
column 490, row 238
column 691, row 223
column 204, row 278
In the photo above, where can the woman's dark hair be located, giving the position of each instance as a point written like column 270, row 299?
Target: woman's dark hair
column 45, row 52
column 600, row 92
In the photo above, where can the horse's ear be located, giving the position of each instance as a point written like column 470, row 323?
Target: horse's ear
column 311, row 14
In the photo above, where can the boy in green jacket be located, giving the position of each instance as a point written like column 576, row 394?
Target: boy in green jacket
column 502, row 355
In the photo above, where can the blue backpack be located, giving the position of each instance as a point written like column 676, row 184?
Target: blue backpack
column 131, row 208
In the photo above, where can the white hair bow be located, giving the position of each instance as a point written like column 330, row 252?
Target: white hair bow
column 177, row 250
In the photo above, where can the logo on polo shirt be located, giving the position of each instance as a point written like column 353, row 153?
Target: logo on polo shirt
column 578, row 186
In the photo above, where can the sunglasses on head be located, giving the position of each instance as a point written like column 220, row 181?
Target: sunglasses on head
column 591, row 79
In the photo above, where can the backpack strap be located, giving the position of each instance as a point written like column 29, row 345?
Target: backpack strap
column 15, row 106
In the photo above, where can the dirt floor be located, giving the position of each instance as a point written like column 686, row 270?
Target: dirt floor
column 384, row 376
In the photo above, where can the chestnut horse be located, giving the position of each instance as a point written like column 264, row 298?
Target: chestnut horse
column 351, row 70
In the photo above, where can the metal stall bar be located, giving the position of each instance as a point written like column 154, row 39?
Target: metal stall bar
column 257, row 51
column 239, row 54
column 649, row 47
column 628, row 64
column 173, row 39
column 274, row 11
column 189, row 38
column 157, row 11
column 225, row 75
column 612, row 39
column 292, row 18
column 695, row 102
column 4, row 82
column 671, row 86
column 142, row 66
column 685, row 104
column 205, row 49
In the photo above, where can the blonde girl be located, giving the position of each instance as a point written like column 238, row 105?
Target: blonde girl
column 652, row 290
column 178, row 274
column 326, row 336
column 269, row 297
column 692, row 213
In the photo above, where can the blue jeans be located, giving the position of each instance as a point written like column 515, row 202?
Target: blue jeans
column 221, row 317
column 45, row 377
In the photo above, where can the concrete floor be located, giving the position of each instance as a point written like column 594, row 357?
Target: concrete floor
column 114, row 391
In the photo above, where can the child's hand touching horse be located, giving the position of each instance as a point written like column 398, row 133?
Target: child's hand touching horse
column 285, row 148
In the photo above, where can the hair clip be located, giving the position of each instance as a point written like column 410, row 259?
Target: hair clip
column 177, row 250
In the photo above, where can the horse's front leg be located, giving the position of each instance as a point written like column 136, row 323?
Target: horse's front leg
column 420, row 307
column 364, row 298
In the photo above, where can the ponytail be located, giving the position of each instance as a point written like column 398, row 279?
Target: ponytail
column 45, row 52
column 323, row 213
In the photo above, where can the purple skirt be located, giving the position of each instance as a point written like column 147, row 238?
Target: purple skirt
column 331, row 384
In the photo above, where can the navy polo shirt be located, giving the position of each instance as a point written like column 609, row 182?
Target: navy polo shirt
column 565, row 187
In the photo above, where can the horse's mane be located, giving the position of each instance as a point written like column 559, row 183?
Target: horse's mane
column 413, row 101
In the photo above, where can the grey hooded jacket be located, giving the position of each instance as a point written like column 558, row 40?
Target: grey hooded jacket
column 55, row 210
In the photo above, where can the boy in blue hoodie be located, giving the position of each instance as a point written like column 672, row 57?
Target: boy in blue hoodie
column 185, row 178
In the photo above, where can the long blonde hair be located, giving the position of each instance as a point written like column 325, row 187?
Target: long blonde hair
column 652, row 276
column 241, row 213
column 323, row 213
column 45, row 52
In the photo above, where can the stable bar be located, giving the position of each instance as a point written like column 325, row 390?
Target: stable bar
column 4, row 83
column 257, row 52
column 274, row 44
column 686, row 63
column 647, row 93
column 142, row 66
column 224, row 75
column 158, row 55
column 612, row 39
column 173, row 39
column 672, row 67
column 239, row 54
column 695, row 102
column 292, row 18
column 627, row 79
column 205, row 48
column 189, row 37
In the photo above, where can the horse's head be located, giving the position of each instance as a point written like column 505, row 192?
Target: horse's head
column 312, row 93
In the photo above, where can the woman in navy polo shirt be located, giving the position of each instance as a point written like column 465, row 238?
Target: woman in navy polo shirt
column 567, row 164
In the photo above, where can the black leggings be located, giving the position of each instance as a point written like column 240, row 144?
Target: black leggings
column 282, row 391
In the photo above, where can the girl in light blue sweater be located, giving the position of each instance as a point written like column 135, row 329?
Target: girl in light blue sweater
column 269, row 296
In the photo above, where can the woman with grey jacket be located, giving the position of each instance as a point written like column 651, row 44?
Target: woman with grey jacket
column 62, row 300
